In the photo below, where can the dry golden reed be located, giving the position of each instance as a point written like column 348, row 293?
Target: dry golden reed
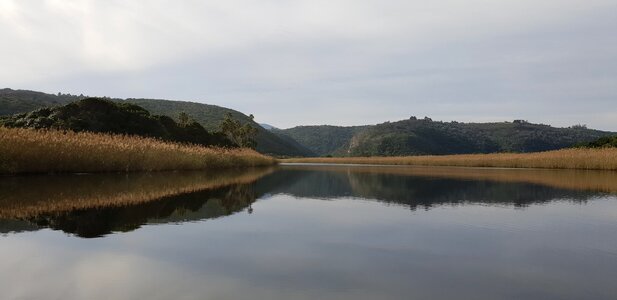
column 583, row 159
column 44, row 151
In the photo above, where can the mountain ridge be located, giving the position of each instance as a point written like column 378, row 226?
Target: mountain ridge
column 427, row 137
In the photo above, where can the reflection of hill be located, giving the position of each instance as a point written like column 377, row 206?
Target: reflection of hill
column 95, row 205
column 207, row 204
column 589, row 180
column 413, row 188
column 7, row 226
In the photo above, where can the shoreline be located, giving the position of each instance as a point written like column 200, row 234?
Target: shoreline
column 574, row 159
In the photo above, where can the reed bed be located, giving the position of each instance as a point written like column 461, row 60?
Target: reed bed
column 582, row 159
column 52, row 151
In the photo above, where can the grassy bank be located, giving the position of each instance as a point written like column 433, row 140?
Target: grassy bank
column 45, row 151
column 585, row 159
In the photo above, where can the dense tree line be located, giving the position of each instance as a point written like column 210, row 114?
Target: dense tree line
column 105, row 116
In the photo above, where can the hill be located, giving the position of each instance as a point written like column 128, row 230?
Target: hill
column 21, row 101
column 604, row 142
column 425, row 136
column 209, row 116
column 105, row 116
column 267, row 126
column 322, row 140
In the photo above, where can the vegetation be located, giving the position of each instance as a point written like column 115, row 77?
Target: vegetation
column 20, row 101
column 604, row 142
column 427, row 137
column 407, row 137
column 322, row 140
column 241, row 135
column 208, row 116
column 104, row 116
column 212, row 116
column 588, row 159
column 44, row 151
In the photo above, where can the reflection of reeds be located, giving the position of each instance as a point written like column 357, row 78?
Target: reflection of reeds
column 585, row 159
column 43, row 151
column 590, row 180
column 28, row 196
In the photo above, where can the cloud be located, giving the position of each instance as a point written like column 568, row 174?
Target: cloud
column 368, row 61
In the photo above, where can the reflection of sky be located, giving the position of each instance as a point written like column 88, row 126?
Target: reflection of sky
column 301, row 248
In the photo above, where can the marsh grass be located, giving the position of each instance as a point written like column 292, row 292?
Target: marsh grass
column 583, row 159
column 45, row 151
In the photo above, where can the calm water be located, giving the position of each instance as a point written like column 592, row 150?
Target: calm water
column 311, row 232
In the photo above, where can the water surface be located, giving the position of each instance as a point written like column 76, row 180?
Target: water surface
column 311, row 232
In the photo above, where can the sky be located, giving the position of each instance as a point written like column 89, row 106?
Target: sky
column 312, row 62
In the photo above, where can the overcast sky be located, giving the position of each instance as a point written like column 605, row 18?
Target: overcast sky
column 301, row 62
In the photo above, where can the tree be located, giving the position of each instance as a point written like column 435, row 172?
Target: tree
column 241, row 135
column 184, row 119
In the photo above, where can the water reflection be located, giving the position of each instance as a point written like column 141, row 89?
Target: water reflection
column 96, row 205
column 315, row 233
column 428, row 187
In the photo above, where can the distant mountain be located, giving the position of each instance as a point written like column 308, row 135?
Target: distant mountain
column 105, row 116
column 324, row 139
column 424, row 136
column 267, row 126
column 21, row 101
column 209, row 116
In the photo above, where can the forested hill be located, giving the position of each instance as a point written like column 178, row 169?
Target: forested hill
column 209, row 116
column 424, row 136
column 21, row 101
column 324, row 139
column 105, row 116
column 406, row 137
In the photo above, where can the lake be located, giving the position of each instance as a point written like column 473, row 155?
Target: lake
column 311, row 232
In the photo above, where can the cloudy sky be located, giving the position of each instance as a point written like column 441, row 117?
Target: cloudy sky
column 293, row 62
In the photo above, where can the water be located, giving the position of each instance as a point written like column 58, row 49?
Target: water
column 311, row 232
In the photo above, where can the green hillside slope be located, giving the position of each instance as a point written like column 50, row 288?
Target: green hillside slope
column 21, row 101
column 322, row 140
column 604, row 142
column 104, row 116
column 417, row 137
column 209, row 116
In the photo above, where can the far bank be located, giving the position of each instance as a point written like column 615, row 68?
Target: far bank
column 579, row 158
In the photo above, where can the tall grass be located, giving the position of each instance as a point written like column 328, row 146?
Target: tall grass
column 44, row 151
column 585, row 159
